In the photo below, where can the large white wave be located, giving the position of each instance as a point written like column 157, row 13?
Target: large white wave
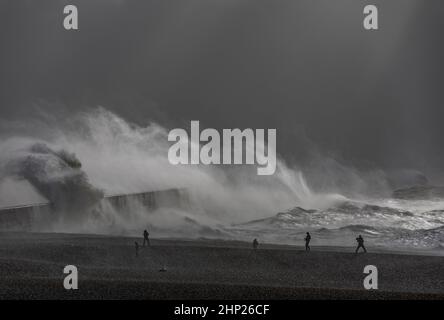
column 71, row 162
column 119, row 157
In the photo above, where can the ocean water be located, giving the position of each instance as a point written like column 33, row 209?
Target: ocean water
column 74, row 169
column 384, row 223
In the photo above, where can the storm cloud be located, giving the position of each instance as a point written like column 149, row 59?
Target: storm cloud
column 369, row 99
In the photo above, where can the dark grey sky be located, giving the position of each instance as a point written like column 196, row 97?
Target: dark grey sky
column 307, row 68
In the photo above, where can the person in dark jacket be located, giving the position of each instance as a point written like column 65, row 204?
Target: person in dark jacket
column 360, row 241
column 146, row 240
column 255, row 244
column 307, row 241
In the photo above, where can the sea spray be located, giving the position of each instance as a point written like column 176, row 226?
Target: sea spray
column 121, row 158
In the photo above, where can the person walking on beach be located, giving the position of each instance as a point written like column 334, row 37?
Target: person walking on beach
column 307, row 241
column 360, row 241
column 136, row 244
column 255, row 244
column 146, row 240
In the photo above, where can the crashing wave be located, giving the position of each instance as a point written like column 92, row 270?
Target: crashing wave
column 57, row 175
column 338, row 225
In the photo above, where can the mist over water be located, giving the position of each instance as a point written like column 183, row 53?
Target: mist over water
column 73, row 161
column 121, row 158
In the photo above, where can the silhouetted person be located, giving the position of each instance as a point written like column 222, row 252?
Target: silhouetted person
column 255, row 244
column 360, row 241
column 136, row 244
column 307, row 241
column 146, row 240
